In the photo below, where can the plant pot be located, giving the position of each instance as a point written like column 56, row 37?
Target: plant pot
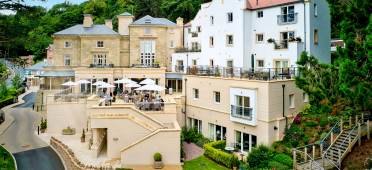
column 42, row 130
column 158, row 165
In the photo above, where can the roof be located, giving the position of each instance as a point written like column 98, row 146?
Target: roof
column 188, row 24
column 38, row 66
column 149, row 20
column 258, row 4
column 61, row 73
column 126, row 14
column 79, row 29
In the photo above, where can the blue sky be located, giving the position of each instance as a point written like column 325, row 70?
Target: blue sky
column 49, row 3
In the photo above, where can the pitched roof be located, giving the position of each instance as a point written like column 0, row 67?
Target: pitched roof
column 38, row 66
column 258, row 4
column 149, row 20
column 79, row 29
column 126, row 14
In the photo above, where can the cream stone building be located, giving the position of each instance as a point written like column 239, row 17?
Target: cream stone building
column 121, row 132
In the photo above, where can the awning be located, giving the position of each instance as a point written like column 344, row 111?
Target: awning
column 60, row 73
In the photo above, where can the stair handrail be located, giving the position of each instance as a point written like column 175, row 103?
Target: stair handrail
column 349, row 135
column 323, row 141
column 311, row 160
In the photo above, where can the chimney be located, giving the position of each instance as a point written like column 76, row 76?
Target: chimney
column 180, row 21
column 108, row 23
column 124, row 20
column 88, row 20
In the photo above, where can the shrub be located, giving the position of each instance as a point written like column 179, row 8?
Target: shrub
column 219, row 156
column 192, row 135
column 157, row 157
column 297, row 119
column 310, row 124
column 283, row 159
column 293, row 135
column 323, row 122
column 43, row 123
column 280, row 147
column 259, row 157
column 277, row 165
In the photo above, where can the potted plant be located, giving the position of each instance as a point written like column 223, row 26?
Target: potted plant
column 158, row 163
column 43, row 125
column 298, row 39
column 271, row 40
column 82, row 138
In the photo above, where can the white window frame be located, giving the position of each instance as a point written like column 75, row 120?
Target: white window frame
column 291, row 100
column 257, row 38
column 211, row 20
column 65, row 59
column 315, row 10
column 258, row 63
column 100, row 44
column 260, row 14
column 230, row 17
column 215, row 97
column 211, row 41
column 227, row 40
column 196, row 93
column 68, row 44
column 147, row 52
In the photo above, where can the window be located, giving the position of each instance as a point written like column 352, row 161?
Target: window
column 288, row 14
column 259, row 38
column 147, row 31
column 67, row 60
column 148, row 53
column 305, row 97
column 217, row 132
column 245, row 142
column 195, row 123
column 316, row 38
column 230, row 17
column 198, row 28
column 259, row 14
column 260, row 63
column 315, row 10
column 229, row 40
column 171, row 44
column 291, row 101
column 281, row 63
column 211, row 41
column 193, row 62
column 100, row 44
column 99, row 59
column 211, row 19
column 287, row 36
column 196, row 93
column 68, row 44
column 217, row 96
column 211, row 62
column 230, row 63
column 189, row 30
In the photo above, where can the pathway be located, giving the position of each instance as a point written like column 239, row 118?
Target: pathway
column 192, row 151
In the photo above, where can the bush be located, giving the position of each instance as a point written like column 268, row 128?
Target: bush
column 311, row 124
column 293, row 135
column 157, row 157
column 6, row 101
column 323, row 122
column 219, row 156
column 280, row 147
column 277, row 165
column 283, row 159
column 259, row 157
column 192, row 135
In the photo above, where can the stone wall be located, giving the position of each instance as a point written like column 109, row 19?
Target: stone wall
column 69, row 158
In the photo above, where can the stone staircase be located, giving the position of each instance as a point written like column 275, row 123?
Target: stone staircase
column 332, row 149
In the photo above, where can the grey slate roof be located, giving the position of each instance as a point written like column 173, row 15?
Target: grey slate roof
column 38, row 66
column 149, row 20
column 126, row 14
column 79, row 29
column 60, row 73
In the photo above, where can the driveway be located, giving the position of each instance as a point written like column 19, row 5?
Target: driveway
column 31, row 153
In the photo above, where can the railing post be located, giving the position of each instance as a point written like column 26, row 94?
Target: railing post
column 341, row 124
column 368, row 135
column 363, row 118
column 321, row 149
column 356, row 120
column 294, row 159
column 314, row 152
column 359, row 135
column 331, row 137
column 305, row 154
column 350, row 122
column 339, row 156
column 349, row 147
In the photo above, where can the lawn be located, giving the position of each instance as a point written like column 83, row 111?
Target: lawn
column 202, row 163
column 6, row 160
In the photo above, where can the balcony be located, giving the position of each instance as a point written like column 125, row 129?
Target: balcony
column 281, row 45
column 101, row 65
column 265, row 74
column 194, row 34
column 287, row 19
column 241, row 112
column 179, row 69
column 186, row 50
column 146, row 65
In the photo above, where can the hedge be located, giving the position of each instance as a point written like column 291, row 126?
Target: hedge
column 284, row 159
column 219, row 156
column 7, row 101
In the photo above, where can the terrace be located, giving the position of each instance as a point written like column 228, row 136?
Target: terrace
column 265, row 74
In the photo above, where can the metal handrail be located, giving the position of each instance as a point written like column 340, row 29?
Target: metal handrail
column 311, row 159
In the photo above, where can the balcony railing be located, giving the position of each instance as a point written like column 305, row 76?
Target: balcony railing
column 194, row 34
column 241, row 112
column 146, row 65
column 287, row 19
column 101, row 65
column 265, row 74
column 186, row 50
column 179, row 69
column 281, row 45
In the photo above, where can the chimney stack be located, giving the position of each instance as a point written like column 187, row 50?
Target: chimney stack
column 180, row 21
column 124, row 20
column 108, row 23
column 88, row 20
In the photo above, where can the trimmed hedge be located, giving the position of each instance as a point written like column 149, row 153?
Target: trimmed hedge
column 284, row 159
column 7, row 101
column 277, row 165
column 219, row 156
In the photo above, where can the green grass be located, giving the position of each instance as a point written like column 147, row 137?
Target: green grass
column 6, row 160
column 202, row 163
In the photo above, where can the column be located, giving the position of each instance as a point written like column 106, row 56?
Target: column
column 50, row 83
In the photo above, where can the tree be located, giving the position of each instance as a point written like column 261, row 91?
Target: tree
column 13, row 4
column 16, row 81
column 186, row 9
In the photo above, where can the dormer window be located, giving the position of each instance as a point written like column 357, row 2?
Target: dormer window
column 68, row 44
column 100, row 44
column 148, row 21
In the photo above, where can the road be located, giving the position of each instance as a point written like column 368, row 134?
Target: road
column 31, row 153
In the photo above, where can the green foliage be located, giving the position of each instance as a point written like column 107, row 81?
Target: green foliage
column 192, row 135
column 311, row 123
column 284, row 159
column 17, row 81
column 3, row 90
column 277, row 165
column 323, row 121
column 6, row 160
column 218, row 155
column 202, row 162
column 293, row 135
column 259, row 157
column 43, row 123
column 157, row 156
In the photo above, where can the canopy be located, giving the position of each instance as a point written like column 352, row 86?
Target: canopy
column 83, row 82
column 98, row 83
column 150, row 87
column 69, row 83
column 106, row 85
column 147, row 81
column 132, row 85
column 124, row 81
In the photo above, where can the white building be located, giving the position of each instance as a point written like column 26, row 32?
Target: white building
column 238, row 34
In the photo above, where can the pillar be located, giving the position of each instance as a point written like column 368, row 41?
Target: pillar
column 50, row 83
column 314, row 152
